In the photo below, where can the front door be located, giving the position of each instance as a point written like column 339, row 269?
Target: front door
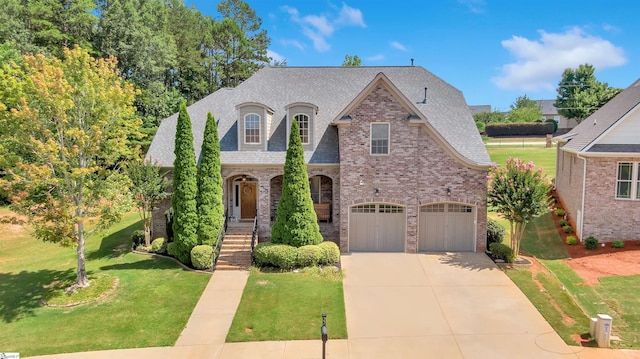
column 248, row 208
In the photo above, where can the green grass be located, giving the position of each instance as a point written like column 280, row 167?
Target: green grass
column 149, row 307
column 289, row 306
column 542, row 240
column 542, row 157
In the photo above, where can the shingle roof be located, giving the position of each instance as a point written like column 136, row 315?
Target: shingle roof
column 547, row 107
column 479, row 108
column 600, row 121
column 331, row 89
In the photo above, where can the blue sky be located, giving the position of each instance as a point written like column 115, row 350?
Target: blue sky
column 493, row 51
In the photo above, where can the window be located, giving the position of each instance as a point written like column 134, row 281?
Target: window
column 252, row 128
column 303, row 124
column 379, row 138
column 628, row 181
column 314, row 184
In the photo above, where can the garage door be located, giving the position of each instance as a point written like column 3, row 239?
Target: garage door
column 447, row 227
column 377, row 227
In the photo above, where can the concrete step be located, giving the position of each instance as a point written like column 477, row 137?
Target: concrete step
column 231, row 267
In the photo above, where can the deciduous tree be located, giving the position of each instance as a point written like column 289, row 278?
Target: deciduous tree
column 148, row 187
column 351, row 61
column 518, row 192
column 73, row 117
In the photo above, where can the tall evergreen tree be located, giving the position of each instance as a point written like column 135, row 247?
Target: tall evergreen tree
column 210, row 206
column 296, row 221
column 185, row 189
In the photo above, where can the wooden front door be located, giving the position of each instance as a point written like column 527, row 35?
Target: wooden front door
column 248, row 207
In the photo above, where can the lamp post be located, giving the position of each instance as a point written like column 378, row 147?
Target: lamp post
column 325, row 336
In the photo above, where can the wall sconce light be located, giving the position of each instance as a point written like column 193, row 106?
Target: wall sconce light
column 377, row 191
column 361, row 182
column 448, row 191
column 244, row 178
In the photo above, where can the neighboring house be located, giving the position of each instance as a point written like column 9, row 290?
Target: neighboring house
column 550, row 112
column 479, row 108
column 394, row 158
column 598, row 170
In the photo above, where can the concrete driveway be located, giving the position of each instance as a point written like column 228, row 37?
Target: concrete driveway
column 457, row 305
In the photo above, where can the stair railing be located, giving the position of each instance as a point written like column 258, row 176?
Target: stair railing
column 254, row 237
column 216, row 249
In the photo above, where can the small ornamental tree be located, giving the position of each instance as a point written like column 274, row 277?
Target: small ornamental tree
column 296, row 221
column 148, row 187
column 210, row 206
column 185, row 189
column 519, row 193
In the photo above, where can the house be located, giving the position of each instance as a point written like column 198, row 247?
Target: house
column 394, row 158
column 550, row 112
column 598, row 170
column 479, row 108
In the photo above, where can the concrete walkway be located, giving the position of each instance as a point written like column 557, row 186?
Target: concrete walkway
column 398, row 306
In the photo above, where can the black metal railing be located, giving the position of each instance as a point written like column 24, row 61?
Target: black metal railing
column 254, row 237
column 216, row 249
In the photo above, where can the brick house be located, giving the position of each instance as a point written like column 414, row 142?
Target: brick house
column 598, row 170
column 394, row 158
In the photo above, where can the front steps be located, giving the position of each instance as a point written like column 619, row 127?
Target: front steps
column 235, row 253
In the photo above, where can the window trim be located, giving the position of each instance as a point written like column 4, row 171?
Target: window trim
column 388, row 124
column 259, row 129
column 295, row 118
column 634, row 193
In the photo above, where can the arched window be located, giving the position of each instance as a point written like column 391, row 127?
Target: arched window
column 252, row 128
column 303, row 124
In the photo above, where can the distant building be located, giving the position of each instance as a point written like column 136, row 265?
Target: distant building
column 549, row 112
column 479, row 108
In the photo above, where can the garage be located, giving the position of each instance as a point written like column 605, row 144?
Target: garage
column 446, row 227
column 377, row 227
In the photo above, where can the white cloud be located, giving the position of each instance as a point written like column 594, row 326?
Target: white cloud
column 475, row 6
column 398, row 46
column 540, row 63
column 275, row 57
column 318, row 28
column 374, row 58
column 295, row 43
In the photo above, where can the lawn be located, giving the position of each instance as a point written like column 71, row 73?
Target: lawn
column 149, row 307
column 289, row 306
column 542, row 157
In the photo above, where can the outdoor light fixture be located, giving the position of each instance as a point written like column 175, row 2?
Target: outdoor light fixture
column 244, row 178
column 377, row 191
column 448, row 191
column 361, row 182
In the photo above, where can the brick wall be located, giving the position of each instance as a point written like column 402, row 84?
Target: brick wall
column 417, row 171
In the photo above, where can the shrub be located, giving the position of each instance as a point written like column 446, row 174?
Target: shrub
column 502, row 251
column 567, row 229
column 481, row 126
column 559, row 212
column 137, row 237
column 171, row 249
column 554, row 123
column 495, row 232
column 159, row 245
column 309, row 255
column 617, row 244
column 563, row 222
column 202, row 256
column 572, row 240
column 277, row 255
column 518, row 129
column 330, row 253
column 591, row 243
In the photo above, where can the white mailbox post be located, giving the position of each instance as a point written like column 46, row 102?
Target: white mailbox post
column 603, row 330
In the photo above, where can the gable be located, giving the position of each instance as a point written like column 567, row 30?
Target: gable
column 626, row 131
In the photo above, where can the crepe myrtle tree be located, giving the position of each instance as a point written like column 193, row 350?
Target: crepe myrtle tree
column 518, row 192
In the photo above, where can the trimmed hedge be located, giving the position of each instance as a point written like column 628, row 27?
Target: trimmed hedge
column 502, row 251
column 159, row 245
column 202, row 256
column 519, row 129
column 288, row 257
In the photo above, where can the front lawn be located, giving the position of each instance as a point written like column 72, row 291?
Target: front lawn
column 542, row 157
column 289, row 306
column 149, row 307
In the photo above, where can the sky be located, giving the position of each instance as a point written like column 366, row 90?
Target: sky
column 492, row 50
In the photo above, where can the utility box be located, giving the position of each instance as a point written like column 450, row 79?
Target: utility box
column 603, row 330
column 593, row 323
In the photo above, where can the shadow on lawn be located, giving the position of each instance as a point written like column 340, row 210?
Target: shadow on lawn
column 22, row 293
column 152, row 262
column 116, row 244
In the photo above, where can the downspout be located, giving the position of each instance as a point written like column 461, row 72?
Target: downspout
column 584, row 191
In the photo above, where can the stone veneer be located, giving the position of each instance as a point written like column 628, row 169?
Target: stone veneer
column 417, row 171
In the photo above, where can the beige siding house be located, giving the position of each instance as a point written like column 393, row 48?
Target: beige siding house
column 598, row 170
column 395, row 161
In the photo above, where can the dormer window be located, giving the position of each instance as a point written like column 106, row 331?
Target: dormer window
column 303, row 125
column 252, row 128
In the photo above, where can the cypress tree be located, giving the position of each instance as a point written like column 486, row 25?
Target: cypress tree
column 185, row 189
column 210, row 206
column 296, row 221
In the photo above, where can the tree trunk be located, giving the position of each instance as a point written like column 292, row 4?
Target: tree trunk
column 83, row 280
column 147, row 231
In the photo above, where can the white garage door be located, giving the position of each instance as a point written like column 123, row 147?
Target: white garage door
column 377, row 227
column 447, row 227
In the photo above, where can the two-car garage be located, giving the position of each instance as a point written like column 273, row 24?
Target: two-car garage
column 380, row 227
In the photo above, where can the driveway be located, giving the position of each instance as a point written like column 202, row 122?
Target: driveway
column 457, row 305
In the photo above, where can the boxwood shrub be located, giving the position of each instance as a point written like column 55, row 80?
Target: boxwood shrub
column 502, row 251
column 591, row 243
column 495, row 232
column 559, row 212
column 330, row 253
column 288, row 257
column 617, row 244
column 202, row 256
column 309, row 255
column 572, row 240
column 171, row 249
column 567, row 229
column 159, row 245
column 563, row 222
